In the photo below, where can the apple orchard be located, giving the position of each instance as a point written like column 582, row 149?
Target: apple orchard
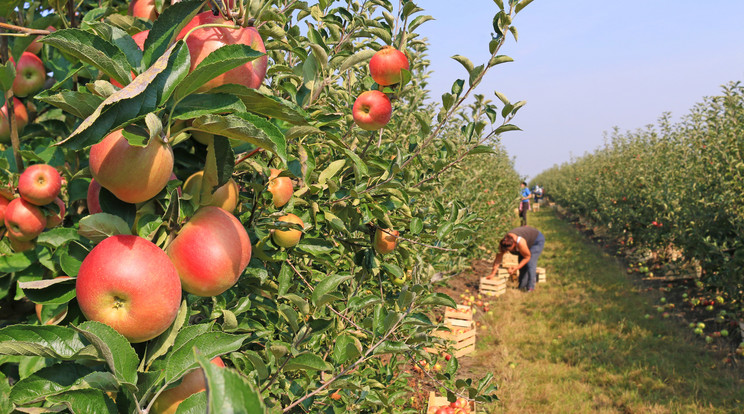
column 246, row 197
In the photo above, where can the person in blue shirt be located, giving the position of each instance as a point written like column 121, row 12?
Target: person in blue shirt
column 524, row 204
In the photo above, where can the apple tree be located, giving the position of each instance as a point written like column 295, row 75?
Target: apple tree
column 319, row 318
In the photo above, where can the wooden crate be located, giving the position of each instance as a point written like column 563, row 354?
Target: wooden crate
column 460, row 317
column 462, row 339
column 436, row 402
column 541, row 275
column 509, row 260
column 493, row 287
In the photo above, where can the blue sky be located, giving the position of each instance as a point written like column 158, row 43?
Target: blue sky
column 586, row 66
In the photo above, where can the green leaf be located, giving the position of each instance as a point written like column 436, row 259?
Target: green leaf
column 193, row 404
column 391, row 347
column 361, row 302
column 99, row 226
column 79, row 104
column 211, row 344
column 228, row 391
column 506, row 128
column 268, row 106
column 167, row 27
column 416, row 225
column 57, row 237
column 245, row 127
column 393, row 270
column 315, row 247
column 16, row 262
column 418, row 21
column 496, row 60
column 438, row 299
column 49, row 341
column 216, row 63
column 160, row 345
column 345, row 348
column 326, row 286
column 7, row 75
column 49, row 291
column 308, row 360
column 522, row 4
column 465, row 62
column 356, row 58
column 93, row 50
column 482, row 149
column 57, row 379
column 207, row 103
column 116, row 350
column 331, row 171
column 85, row 401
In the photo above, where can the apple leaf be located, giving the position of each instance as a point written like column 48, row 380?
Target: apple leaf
column 121, row 39
column 85, row 401
column 308, row 360
column 326, row 286
column 346, row 347
column 99, row 226
column 266, row 105
column 167, row 27
column 57, row 237
column 16, row 262
column 79, row 104
column 199, row 104
column 218, row 168
column 496, row 60
column 465, row 62
column 195, row 404
column 116, row 350
column 246, row 127
column 160, row 345
column 49, row 291
column 93, row 50
column 57, row 379
column 506, row 128
column 49, row 341
column 392, row 347
column 211, row 344
column 438, row 299
column 227, row 390
column 357, row 58
column 7, row 75
column 216, row 63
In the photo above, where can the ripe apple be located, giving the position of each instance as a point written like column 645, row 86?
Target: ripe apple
column 445, row 410
column 131, row 285
column 385, row 240
column 21, row 119
column 92, row 200
column 3, row 206
column 372, row 110
column 133, row 174
column 204, row 41
column 336, row 395
column 144, row 9
column 19, row 246
column 210, row 252
column 386, row 66
column 225, row 196
column 290, row 237
column 54, row 220
column 280, row 188
column 191, row 383
column 24, row 220
column 40, row 184
column 30, row 75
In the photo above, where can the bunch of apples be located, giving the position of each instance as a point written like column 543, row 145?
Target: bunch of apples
column 372, row 110
column 459, row 406
column 38, row 206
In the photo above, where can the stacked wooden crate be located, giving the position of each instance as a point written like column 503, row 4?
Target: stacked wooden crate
column 461, row 332
column 495, row 286
column 541, row 275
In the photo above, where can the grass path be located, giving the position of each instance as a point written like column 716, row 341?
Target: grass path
column 581, row 343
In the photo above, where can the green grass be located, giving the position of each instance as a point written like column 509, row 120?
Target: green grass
column 581, row 342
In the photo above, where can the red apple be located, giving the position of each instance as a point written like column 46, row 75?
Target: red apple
column 40, row 184
column 204, row 41
column 290, row 237
column 445, row 410
column 210, row 252
column 386, row 66
column 24, row 220
column 54, row 220
column 21, row 119
column 19, row 246
column 131, row 285
column 372, row 110
column 133, row 174
column 144, row 9
column 35, row 47
column 225, row 196
column 92, row 200
column 385, row 240
column 30, row 75
column 3, row 206
column 191, row 383
column 280, row 188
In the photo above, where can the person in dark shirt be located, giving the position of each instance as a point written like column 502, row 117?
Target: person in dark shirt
column 527, row 243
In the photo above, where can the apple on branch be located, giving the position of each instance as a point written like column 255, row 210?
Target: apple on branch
column 131, row 285
column 40, row 184
column 386, row 66
column 385, row 240
column 372, row 110
column 191, row 383
column 21, row 119
column 280, row 188
column 290, row 237
column 225, row 197
column 30, row 75
column 25, row 221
